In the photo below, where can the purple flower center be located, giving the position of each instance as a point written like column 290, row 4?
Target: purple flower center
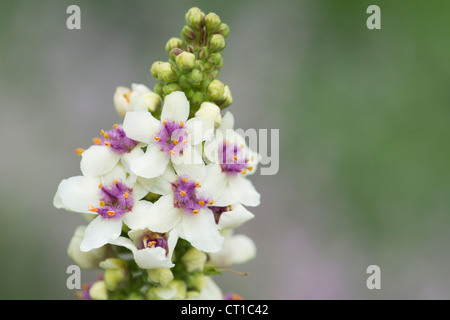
column 172, row 137
column 218, row 212
column 115, row 200
column 153, row 240
column 186, row 195
column 232, row 157
column 117, row 140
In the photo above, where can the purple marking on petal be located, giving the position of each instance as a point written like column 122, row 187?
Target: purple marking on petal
column 170, row 132
column 153, row 240
column 186, row 195
column 118, row 140
column 218, row 212
column 117, row 198
column 232, row 158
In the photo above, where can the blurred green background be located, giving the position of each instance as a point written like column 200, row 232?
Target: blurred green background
column 364, row 136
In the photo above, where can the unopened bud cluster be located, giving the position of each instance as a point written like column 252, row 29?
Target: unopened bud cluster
column 195, row 61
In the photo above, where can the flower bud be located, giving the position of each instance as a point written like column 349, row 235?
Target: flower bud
column 135, row 296
column 158, row 88
column 227, row 99
column 203, row 53
column 173, row 43
column 217, row 43
column 117, row 275
column 196, row 20
column 200, row 282
column 190, row 13
column 194, row 260
column 180, row 288
column 185, row 61
column 223, row 30
column 171, row 87
column 192, row 294
column 90, row 259
column 196, row 100
column 215, row 90
column 151, row 101
column 188, row 34
column 164, row 71
column 160, row 276
column 195, row 77
column 212, row 22
column 215, row 59
column 99, row 291
column 122, row 100
column 211, row 111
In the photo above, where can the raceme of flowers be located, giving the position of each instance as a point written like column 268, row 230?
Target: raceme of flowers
column 162, row 193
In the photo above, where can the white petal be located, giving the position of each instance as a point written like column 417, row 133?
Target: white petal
column 152, row 164
column 190, row 164
column 201, row 231
column 211, row 150
column 137, row 218
column 57, row 202
column 98, row 160
column 215, row 181
column 99, row 232
column 244, row 191
column 226, row 198
column 235, row 218
column 236, row 249
column 78, row 193
column 141, row 126
column 227, row 121
column 199, row 129
column 117, row 173
column 176, row 107
column 129, row 157
column 124, row 242
column 152, row 258
column 163, row 216
column 211, row 291
column 162, row 184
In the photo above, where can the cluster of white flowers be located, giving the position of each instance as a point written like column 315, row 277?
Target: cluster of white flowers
column 156, row 178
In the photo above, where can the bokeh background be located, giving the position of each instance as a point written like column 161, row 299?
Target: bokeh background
column 364, row 136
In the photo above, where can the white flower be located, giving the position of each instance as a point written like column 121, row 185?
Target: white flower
column 139, row 98
column 114, row 146
column 151, row 250
column 112, row 198
column 185, row 204
column 231, row 216
column 208, row 109
column 172, row 138
column 229, row 150
column 236, row 249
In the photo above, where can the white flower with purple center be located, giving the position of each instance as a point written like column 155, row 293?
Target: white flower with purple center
column 229, row 150
column 232, row 216
column 112, row 198
column 185, row 204
column 174, row 138
column 151, row 250
column 138, row 98
column 112, row 147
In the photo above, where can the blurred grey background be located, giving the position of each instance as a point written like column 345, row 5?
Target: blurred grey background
column 364, row 136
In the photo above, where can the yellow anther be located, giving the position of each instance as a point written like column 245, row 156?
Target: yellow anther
column 107, row 144
column 102, row 132
column 111, row 213
column 201, row 202
column 102, row 203
column 185, row 141
column 172, row 153
column 97, row 141
column 244, row 171
column 227, row 142
column 185, row 180
column 242, row 146
column 194, row 211
column 126, row 195
column 182, row 123
column 234, row 158
column 100, row 186
column 198, row 185
column 250, row 168
column 115, row 126
column 115, row 181
column 183, row 193
column 175, row 142
column 157, row 138
column 164, row 122
column 151, row 244
column 79, row 151
column 93, row 209
column 211, row 202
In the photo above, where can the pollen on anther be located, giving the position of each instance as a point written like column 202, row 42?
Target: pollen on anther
column 211, row 202
column 79, row 151
column 107, row 144
column 227, row 142
column 111, row 213
column 102, row 132
column 201, row 202
column 182, row 123
column 250, row 168
column 183, row 193
column 115, row 126
column 164, row 122
column 195, row 211
column 126, row 195
column 97, row 141
column 102, row 203
column 92, row 208
column 198, row 185
column 172, row 153
column 185, row 179
column 175, row 142
column 244, row 171
column 115, row 181
column 185, row 141
column 100, row 186
column 157, row 138
column 234, row 158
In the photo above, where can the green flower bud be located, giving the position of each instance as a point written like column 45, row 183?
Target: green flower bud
column 185, row 61
column 227, row 99
column 194, row 260
column 203, row 53
column 223, row 30
column 212, row 22
column 98, row 291
column 152, row 294
column 180, row 288
column 196, row 100
column 184, row 82
column 171, row 87
column 215, row 90
column 217, row 43
column 90, row 259
column 215, row 59
column 135, row 296
column 152, row 101
column 174, row 53
column 158, row 88
column 211, row 111
column 188, row 34
column 160, row 276
column 190, row 13
column 164, row 71
column 174, row 43
column 117, row 275
column 192, row 294
column 195, row 77
column 200, row 282
column 196, row 20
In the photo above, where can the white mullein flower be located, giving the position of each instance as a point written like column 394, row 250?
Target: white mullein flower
column 229, row 150
column 171, row 139
column 138, row 98
column 236, row 249
column 113, row 198
column 151, row 250
column 185, row 204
